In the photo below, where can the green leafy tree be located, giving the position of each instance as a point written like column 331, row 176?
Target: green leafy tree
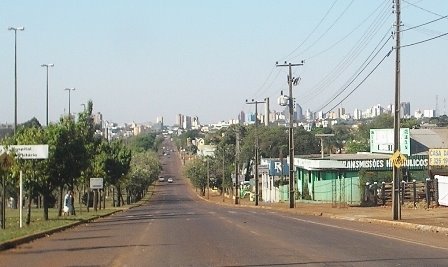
column 144, row 170
column 116, row 164
column 196, row 171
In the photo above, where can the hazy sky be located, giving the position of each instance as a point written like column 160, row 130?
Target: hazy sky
column 137, row 60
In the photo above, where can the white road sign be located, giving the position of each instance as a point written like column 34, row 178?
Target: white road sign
column 27, row 151
column 96, row 183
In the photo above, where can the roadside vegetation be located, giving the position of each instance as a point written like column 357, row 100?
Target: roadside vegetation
column 77, row 152
column 273, row 143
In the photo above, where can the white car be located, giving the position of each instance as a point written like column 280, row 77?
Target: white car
column 170, row 180
column 161, row 179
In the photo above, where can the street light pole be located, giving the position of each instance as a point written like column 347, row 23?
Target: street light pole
column 256, row 146
column 291, row 81
column 47, row 66
column 69, row 91
column 15, row 29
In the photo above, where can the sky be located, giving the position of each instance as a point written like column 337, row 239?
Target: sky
column 142, row 59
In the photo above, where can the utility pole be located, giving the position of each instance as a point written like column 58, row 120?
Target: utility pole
column 322, row 142
column 237, row 155
column 253, row 102
column 396, row 212
column 291, row 81
column 223, row 172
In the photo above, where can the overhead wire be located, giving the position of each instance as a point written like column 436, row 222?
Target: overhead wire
column 421, row 8
column 359, row 71
column 424, row 41
column 347, row 60
column 326, row 31
column 423, row 24
column 333, row 45
column 312, row 31
column 354, row 89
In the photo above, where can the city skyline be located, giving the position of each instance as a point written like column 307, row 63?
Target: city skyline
column 147, row 59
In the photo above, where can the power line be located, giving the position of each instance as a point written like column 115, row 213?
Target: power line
column 327, row 30
column 426, row 10
column 368, row 75
column 424, row 41
column 360, row 70
column 349, row 57
column 426, row 23
column 333, row 45
column 314, row 30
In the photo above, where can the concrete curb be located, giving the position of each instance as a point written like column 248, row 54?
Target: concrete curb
column 28, row 238
column 406, row 225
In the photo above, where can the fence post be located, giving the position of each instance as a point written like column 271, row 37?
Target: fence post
column 427, row 193
column 383, row 192
column 436, row 191
column 414, row 193
column 403, row 188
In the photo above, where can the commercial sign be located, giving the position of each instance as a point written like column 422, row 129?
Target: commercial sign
column 278, row 168
column 96, row 183
column 27, row 151
column 413, row 163
column 382, row 141
column 438, row 157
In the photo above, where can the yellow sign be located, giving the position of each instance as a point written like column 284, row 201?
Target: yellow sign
column 398, row 159
column 438, row 157
column 5, row 161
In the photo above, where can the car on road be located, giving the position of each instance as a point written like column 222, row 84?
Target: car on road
column 161, row 179
column 170, row 180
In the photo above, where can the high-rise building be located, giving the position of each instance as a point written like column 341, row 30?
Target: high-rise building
column 180, row 120
column 186, row 122
column 429, row 113
column 405, row 110
column 357, row 114
column 299, row 112
column 242, row 117
column 98, row 118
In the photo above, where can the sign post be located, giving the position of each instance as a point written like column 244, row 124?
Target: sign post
column 6, row 160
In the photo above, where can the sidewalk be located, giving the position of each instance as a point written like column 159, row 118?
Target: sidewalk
column 434, row 219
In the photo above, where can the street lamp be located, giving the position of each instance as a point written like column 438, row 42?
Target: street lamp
column 47, row 66
column 69, row 91
column 15, row 29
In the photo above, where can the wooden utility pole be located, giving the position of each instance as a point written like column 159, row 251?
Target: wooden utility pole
column 396, row 212
column 291, row 81
column 256, row 146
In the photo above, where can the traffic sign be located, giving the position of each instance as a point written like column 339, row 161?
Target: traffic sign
column 5, row 161
column 398, row 159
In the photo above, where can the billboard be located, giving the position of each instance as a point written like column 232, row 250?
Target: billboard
column 382, row 141
column 438, row 157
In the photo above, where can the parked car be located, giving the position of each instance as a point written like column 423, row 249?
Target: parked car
column 161, row 179
column 170, row 180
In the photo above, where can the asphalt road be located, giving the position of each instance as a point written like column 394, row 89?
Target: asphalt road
column 176, row 228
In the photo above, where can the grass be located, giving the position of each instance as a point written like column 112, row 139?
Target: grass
column 38, row 224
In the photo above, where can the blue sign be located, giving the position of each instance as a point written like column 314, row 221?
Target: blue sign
column 277, row 168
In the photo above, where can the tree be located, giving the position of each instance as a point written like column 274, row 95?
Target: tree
column 69, row 155
column 144, row 170
column 116, row 160
column 196, row 171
